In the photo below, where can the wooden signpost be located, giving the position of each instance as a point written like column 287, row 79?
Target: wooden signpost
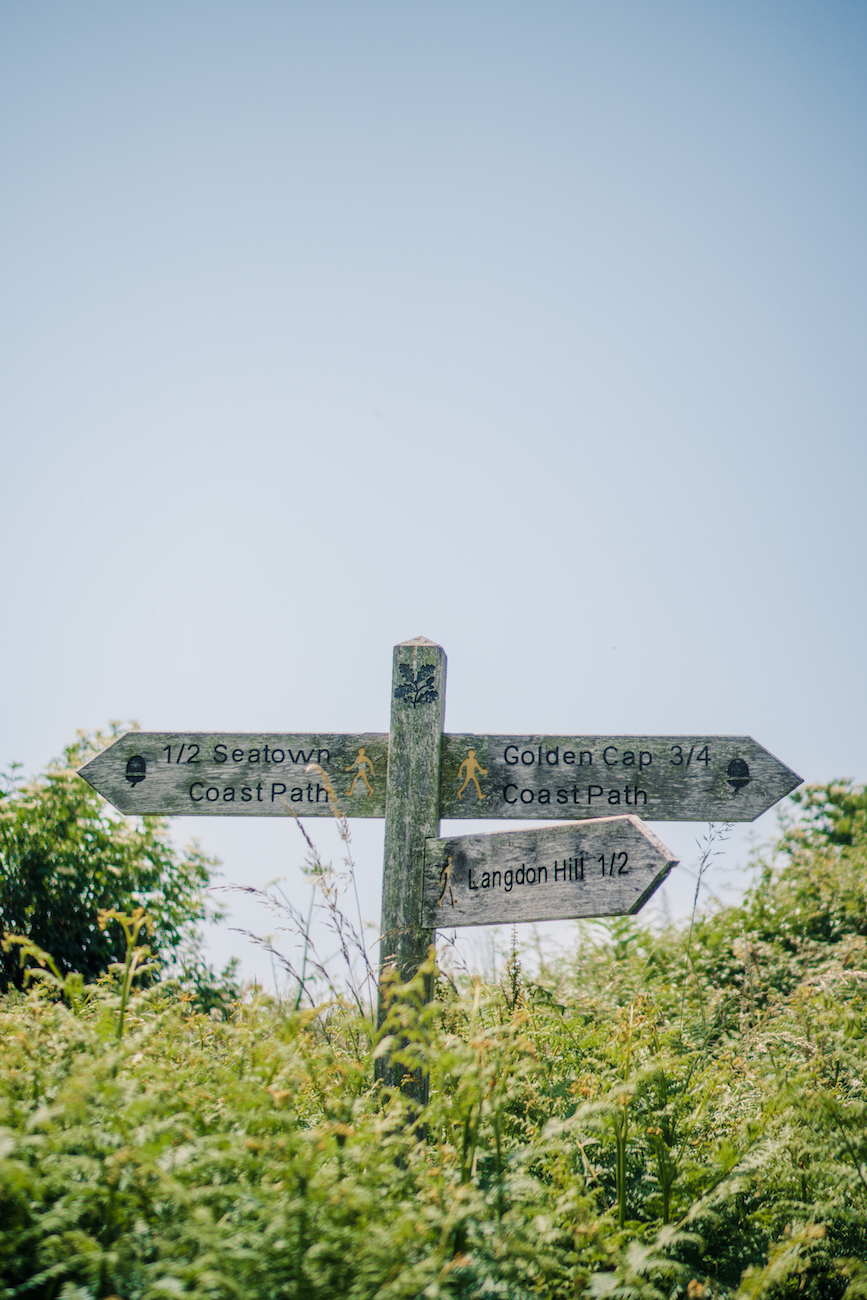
column 415, row 775
column 660, row 778
column 606, row 867
column 230, row 775
column 550, row 778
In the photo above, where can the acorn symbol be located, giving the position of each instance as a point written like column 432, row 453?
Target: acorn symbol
column 738, row 773
column 136, row 769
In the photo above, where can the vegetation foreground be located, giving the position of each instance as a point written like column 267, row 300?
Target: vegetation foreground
column 659, row 1114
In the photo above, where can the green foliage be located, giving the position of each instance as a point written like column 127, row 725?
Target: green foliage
column 65, row 857
column 830, row 814
column 657, row 1116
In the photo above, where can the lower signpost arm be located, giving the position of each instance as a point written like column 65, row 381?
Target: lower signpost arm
column 411, row 816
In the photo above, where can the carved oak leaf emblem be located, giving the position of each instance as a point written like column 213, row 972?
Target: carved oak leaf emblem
column 416, row 688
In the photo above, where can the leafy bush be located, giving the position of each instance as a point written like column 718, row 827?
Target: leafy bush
column 654, row 1115
column 64, row 856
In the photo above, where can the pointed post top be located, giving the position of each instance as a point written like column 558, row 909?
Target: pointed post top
column 420, row 640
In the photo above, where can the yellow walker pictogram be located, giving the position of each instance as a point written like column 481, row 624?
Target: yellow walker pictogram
column 470, row 769
column 361, row 762
column 446, row 882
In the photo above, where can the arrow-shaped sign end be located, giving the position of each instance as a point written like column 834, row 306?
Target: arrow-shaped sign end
column 607, row 866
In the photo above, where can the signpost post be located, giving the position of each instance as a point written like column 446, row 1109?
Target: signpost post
column 416, row 775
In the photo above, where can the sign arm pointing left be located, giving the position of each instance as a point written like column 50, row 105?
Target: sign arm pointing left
column 250, row 774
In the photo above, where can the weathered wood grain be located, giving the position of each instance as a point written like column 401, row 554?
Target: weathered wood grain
column 412, row 798
column 418, row 698
column 660, row 778
column 606, row 867
column 551, row 778
column 243, row 775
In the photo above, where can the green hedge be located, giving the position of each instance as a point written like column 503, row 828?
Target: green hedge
column 659, row 1114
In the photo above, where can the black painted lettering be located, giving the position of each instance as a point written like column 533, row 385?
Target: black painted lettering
column 323, row 757
column 544, row 796
column 259, row 793
column 246, row 794
column 528, row 757
column 229, row 794
column 237, row 755
column 274, row 758
column 629, row 758
column 519, row 875
column 253, row 756
column 510, row 761
column 558, row 869
column 320, row 789
column 212, row 794
column 196, row 798
column 486, row 880
column 300, row 757
column 562, row 796
column 531, row 875
column 220, row 754
column 639, row 794
column 645, row 758
column 539, row 875
column 309, row 791
column 470, row 879
column 507, row 881
column 506, row 798
column 614, row 796
column 569, row 756
column 609, row 749
column 297, row 794
column 623, row 870
column 496, row 878
column 594, row 792
column 585, row 753
column 552, row 762
column 267, row 759
column 277, row 788
column 527, row 796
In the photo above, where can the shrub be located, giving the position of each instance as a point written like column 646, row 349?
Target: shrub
column 675, row 1115
column 65, row 856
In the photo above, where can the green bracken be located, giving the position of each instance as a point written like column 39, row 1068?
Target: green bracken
column 677, row 1113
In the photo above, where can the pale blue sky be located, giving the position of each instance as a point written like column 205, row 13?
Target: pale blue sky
column 535, row 329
